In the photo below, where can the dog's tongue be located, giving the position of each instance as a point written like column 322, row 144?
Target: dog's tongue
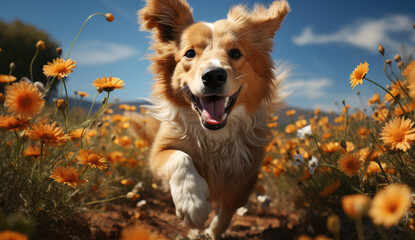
column 213, row 109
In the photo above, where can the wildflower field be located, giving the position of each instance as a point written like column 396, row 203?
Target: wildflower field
column 73, row 173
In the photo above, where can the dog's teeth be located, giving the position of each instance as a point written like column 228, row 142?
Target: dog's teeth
column 226, row 101
column 224, row 116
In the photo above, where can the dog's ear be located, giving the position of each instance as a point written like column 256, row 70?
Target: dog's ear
column 265, row 21
column 167, row 17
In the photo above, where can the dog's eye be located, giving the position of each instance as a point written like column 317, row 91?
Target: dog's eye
column 234, row 53
column 190, row 53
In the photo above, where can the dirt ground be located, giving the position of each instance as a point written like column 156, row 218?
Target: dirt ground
column 158, row 215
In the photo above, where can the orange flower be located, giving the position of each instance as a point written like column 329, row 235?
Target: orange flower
column 358, row 74
column 290, row 112
column 330, row 189
column 91, row 158
column 374, row 99
column 78, row 133
column 59, row 68
column 67, row 175
column 380, row 115
column 341, row 118
column 23, row 99
column 398, row 133
column 390, row 204
column 48, row 134
column 108, row 84
column 7, row 78
column 139, row 232
column 13, row 123
column 349, row 164
column 32, row 151
column 290, row 128
column 355, row 205
column 83, row 94
column 362, row 131
column 409, row 68
column 12, row 235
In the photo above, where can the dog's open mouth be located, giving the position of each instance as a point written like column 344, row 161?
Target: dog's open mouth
column 214, row 109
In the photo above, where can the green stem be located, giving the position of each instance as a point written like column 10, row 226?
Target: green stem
column 83, row 25
column 105, row 200
column 67, row 102
column 384, row 89
column 359, row 229
column 31, row 65
column 92, row 105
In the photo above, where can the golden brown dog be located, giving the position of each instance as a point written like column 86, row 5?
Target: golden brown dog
column 214, row 91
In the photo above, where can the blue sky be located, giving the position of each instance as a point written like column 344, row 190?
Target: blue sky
column 322, row 42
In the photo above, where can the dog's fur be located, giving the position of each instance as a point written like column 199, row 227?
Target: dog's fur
column 205, row 152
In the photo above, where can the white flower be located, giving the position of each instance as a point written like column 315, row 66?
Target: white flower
column 312, row 165
column 241, row 211
column 303, row 132
column 298, row 159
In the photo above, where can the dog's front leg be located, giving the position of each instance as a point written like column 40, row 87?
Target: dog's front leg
column 189, row 190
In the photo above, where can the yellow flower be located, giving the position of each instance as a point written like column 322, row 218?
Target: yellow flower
column 7, row 78
column 108, row 84
column 355, row 205
column 67, row 175
column 390, row 204
column 12, row 235
column 358, row 74
column 23, row 100
column 48, row 134
column 13, row 123
column 349, row 164
column 91, row 158
column 59, row 68
column 398, row 133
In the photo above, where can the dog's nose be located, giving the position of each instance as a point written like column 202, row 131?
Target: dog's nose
column 214, row 77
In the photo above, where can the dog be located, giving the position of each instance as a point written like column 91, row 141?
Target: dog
column 214, row 91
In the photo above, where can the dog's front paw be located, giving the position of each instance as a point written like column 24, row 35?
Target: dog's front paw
column 190, row 194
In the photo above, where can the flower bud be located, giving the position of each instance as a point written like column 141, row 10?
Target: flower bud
column 12, row 66
column 133, row 196
column 40, row 45
column 59, row 51
column 401, row 65
column 109, row 17
column 333, row 224
column 61, row 105
column 388, row 61
column 381, row 49
column 397, row 58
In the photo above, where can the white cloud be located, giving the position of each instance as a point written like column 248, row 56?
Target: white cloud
column 99, row 53
column 365, row 34
column 310, row 89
